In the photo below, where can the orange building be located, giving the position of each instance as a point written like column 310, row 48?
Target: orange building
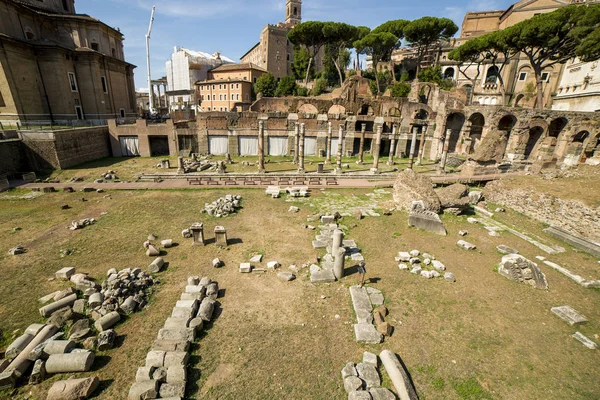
column 228, row 88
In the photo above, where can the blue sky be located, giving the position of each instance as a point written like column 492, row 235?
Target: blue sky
column 232, row 27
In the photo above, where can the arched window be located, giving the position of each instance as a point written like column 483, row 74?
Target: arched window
column 95, row 46
column 492, row 74
column 449, row 73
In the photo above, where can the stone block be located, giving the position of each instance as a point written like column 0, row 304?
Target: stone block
column 155, row 358
column 369, row 374
column 143, row 390
column 186, row 334
column 176, row 374
column 449, row 276
column 366, row 333
column 73, row 389
column 245, row 268
column 286, row 276
column 80, row 361
column 65, row 273
column 322, row 276
column 370, row 358
column 361, row 304
column 175, row 358
column 171, row 345
column 428, row 221
column 506, row 250
column 519, row 269
column 359, row 395
column 349, row 370
column 176, row 323
column 144, row 374
column 466, row 245
column 172, row 390
column 353, row 383
column 585, row 340
column 381, row 394
column 569, row 315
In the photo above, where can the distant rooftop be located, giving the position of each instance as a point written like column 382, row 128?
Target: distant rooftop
column 206, row 56
column 235, row 67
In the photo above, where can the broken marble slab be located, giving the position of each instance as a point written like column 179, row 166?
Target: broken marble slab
column 584, row 339
column 322, row 276
column 569, row 315
column 367, row 333
column 362, row 305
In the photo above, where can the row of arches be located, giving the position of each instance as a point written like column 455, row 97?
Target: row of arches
column 535, row 139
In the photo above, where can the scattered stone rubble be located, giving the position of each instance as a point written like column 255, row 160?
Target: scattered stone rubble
column 223, row 206
column 199, row 164
column 363, row 299
column 164, row 374
column 362, row 381
column 83, row 310
column 579, row 279
column 82, row 223
column 519, row 269
column 572, row 317
column 423, row 264
column 17, row 250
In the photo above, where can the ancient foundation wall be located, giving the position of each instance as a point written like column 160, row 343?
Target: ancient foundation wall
column 571, row 215
column 12, row 157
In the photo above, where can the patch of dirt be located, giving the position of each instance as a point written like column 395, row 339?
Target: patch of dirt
column 221, row 375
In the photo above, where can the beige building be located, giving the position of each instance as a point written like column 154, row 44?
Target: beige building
column 61, row 67
column 518, row 76
column 228, row 88
column 274, row 52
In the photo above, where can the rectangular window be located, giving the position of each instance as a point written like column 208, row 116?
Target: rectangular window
column 104, row 87
column 545, row 77
column 523, row 76
column 237, row 96
column 122, row 112
column 72, row 82
column 225, row 109
column 254, row 79
column 213, row 86
column 237, row 85
column 232, row 85
column 79, row 112
column 95, row 47
column 202, row 97
column 214, row 97
column 247, row 97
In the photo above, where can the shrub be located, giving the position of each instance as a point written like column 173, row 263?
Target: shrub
column 400, row 89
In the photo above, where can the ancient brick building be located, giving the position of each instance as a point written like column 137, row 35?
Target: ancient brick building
column 58, row 66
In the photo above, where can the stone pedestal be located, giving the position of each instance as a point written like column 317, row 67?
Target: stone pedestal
column 220, row 236
column 320, row 168
column 301, row 150
column 197, row 234
column 180, row 168
column 165, row 164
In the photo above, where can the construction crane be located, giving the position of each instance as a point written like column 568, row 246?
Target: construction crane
column 150, row 91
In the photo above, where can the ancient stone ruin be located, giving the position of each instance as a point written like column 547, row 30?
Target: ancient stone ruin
column 519, row 269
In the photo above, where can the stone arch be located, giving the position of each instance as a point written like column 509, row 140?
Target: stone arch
column 308, row 108
column 337, row 109
column 519, row 99
column 449, row 73
column 425, row 93
column 506, row 124
column 580, row 137
column 395, row 112
column 454, row 125
column 535, row 134
column 492, row 74
column 593, row 147
column 366, row 109
column 421, row 113
column 557, row 126
column 477, row 122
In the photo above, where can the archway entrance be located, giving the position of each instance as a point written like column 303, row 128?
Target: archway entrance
column 535, row 134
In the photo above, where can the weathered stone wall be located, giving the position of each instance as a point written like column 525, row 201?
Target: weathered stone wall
column 571, row 215
column 64, row 149
column 12, row 157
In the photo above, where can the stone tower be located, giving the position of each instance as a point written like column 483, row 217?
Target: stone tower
column 293, row 10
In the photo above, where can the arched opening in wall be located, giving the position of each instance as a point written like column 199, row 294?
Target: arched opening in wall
column 95, row 46
column 492, row 74
column 308, row 109
column 480, row 100
column 369, row 126
column 581, row 136
column 487, row 101
column 535, row 134
column 494, row 101
column 477, row 122
column 412, row 74
column 366, row 109
column 506, row 124
column 454, row 124
column 29, row 35
column 424, row 94
column 449, row 73
column 395, row 112
column 518, row 100
column 336, row 110
column 421, row 114
column 557, row 126
column 593, row 148
column 113, row 51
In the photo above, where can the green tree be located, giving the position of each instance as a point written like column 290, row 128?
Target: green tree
column 471, row 56
column 376, row 45
column 266, row 85
column 424, row 33
column 308, row 34
column 400, row 89
column 301, row 59
column 396, row 28
column 320, row 86
column 554, row 38
column 286, row 86
column 339, row 37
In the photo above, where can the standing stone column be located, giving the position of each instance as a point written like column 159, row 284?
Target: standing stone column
column 375, row 168
column 361, row 150
column 180, row 168
column 328, row 144
column 339, row 149
column 296, row 141
column 413, row 145
column 261, row 144
column 339, row 257
column 422, row 146
column 445, row 150
column 338, row 239
column 301, row 149
column 392, row 146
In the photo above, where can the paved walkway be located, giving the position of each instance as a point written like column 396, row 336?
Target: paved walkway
column 183, row 183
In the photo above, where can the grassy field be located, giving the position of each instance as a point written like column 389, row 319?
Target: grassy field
column 483, row 337
column 129, row 169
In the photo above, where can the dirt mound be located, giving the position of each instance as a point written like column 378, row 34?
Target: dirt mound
column 410, row 186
